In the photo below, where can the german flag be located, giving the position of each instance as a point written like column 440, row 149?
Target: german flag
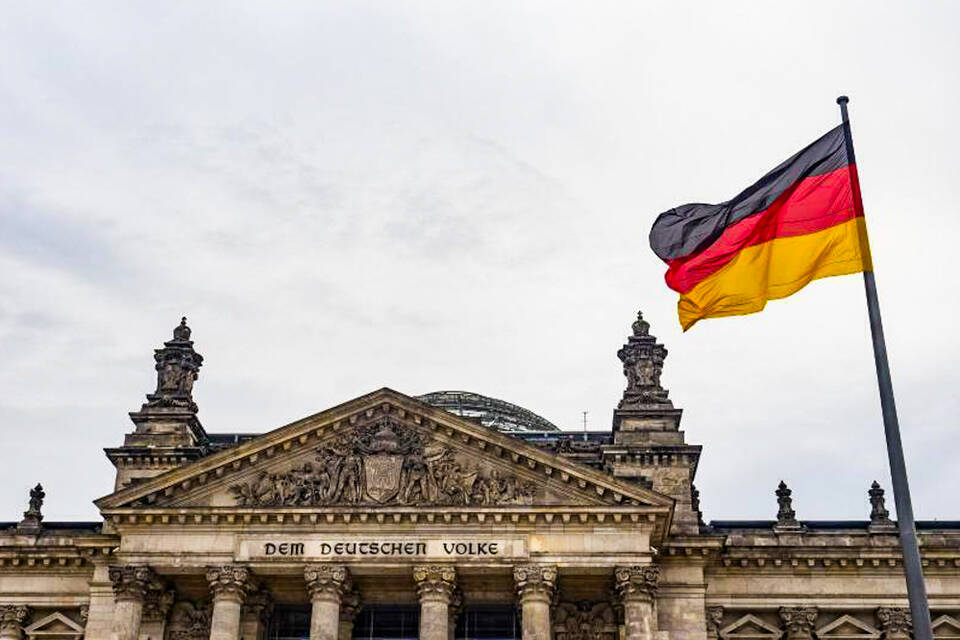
column 801, row 221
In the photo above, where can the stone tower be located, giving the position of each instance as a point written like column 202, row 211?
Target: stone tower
column 167, row 432
column 648, row 446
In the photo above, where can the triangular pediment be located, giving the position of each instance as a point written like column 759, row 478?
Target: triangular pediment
column 846, row 627
column 385, row 450
column 946, row 627
column 750, row 627
column 55, row 625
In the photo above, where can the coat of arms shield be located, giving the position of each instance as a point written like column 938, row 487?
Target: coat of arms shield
column 382, row 476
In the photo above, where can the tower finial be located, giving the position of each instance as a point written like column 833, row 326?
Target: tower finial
column 642, row 359
column 177, row 366
column 786, row 516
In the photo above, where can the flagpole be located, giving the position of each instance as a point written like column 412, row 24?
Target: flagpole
column 916, row 590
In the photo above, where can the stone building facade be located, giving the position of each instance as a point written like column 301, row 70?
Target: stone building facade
column 393, row 517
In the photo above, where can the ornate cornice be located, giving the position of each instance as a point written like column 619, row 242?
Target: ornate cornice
column 637, row 581
column 327, row 581
column 230, row 581
column 798, row 622
column 535, row 581
column 435, row 581
column 12, row 618
column 132, row 582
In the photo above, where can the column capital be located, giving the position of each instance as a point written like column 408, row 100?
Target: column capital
column 637, row 581
column 230, row 582
column 435, row 581
column 12, row 617
column 895, row 622
column 157, row 603
column 350, row 604
column 131, row 582
column 327, row 581
column 798, row 621
column 258, row 605
column 535, row 581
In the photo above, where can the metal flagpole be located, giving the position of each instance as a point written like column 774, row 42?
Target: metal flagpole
column 916, row 590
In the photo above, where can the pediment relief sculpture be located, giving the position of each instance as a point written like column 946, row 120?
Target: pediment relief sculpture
column 585, row 620
column 385, row 463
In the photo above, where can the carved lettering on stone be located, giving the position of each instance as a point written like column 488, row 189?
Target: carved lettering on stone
column 585, row 620
column 385, row 463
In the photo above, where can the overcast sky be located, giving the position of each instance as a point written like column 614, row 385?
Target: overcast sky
column 425, row 196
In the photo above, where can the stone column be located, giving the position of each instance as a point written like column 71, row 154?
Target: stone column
column 536, row 585
column 327, row 584
column 257, row 609
column 156, row 606
column 12, row 618
column 456, row 603
column 435, row 586
column 229, row 586
column 637, row 588
column 130, row 586
column 896, row 623
column 349, row 608
column 798, row 622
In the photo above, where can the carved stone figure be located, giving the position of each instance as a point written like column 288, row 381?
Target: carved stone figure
column 714, row 622
column 189, row 621
column 177, row 369
column 584, row 620
column 642, row 359
column 380, row 464
column 33, row 516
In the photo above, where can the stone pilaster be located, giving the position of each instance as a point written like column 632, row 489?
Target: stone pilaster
column 456, row 603
column 896, row 623
column 536, row 585
column 349, row 608
column 637, row 588
column 798, row 622
column 255, row 615
column 130, row 586
column 229, row 587
column 327, row 585
column 435, row 587
column 12, row 619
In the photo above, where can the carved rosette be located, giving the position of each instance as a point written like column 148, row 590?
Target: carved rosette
column 798, row 622
column 638, row 582
column 714, row 622
column 157, row 603
column 895, row 622
column 230, row 582
column 12, row 618
column 132, row 582
column 535, row 581
column 327, row 581
column 435, row 582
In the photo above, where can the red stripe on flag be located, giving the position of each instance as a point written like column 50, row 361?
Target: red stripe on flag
column 810, row 205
